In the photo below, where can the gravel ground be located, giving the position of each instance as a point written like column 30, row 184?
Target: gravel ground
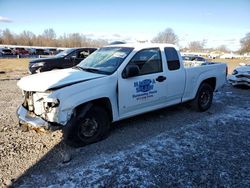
column 170, row 147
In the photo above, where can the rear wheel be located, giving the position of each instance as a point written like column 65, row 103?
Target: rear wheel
column 204, row 97
column 89, row 128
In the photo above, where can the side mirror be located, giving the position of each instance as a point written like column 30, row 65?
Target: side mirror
column 131, row 71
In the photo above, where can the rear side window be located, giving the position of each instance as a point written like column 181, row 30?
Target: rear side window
column 172, row 58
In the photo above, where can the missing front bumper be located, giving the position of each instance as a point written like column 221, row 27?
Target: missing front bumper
column 32, row 121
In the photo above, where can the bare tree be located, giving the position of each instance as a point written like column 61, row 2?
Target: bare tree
column 196, row 45
column 75, row 40
column 48, row 38
column 1, row 36
column 26, row 38
column 49, row 34
column 8, row 37
column 166, row 36
column 245, row 43
column 97, row 43
column 222, row 48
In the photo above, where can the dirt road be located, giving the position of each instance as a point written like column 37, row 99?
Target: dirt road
column 170, row 147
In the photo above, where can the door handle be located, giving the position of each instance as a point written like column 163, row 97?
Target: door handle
column 161, row 78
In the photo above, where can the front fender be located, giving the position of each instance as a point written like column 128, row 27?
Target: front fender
column 75, row 95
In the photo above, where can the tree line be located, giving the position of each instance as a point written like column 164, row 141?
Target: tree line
column 168, row 36
column 49, row 38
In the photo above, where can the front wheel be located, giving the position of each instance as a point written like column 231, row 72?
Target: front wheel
column 39, row 70
column 89, row 128
column 203, row 98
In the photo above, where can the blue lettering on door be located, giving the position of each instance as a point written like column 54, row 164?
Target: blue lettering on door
column 144, row 85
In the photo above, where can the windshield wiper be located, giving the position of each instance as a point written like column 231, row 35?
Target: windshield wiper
column 90, row 69
column 77, row 67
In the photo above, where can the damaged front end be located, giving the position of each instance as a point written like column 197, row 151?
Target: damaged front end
column 41, row 111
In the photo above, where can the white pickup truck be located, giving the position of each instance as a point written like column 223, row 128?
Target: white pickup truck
column 114, row 83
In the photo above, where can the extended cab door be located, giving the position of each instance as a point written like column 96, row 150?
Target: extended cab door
column 145, row 91
column 176, row 76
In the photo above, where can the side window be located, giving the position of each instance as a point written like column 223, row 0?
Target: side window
column 148, row 61
column 83, row 54
column 172, row 58
column 73, row 54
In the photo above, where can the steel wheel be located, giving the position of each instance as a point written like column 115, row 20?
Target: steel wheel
column 88, row 128
column 203, row 99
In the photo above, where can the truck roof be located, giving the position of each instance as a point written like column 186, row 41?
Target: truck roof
column 139, row 46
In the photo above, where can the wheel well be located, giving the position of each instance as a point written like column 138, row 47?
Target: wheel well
column 102, row 102
column 211, row 82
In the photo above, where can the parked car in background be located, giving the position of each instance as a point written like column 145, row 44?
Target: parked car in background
column 5, row 52
column 59, row 50
column 51, row 51
column 215, row 54
column 37, row 51
column 193, row 60
column 240, row 75
column 65, row 59
column 40, row 51
column 32, row 51
column 20, row 51
column 230, row 56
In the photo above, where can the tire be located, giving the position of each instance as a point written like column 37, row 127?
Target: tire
column 89, row 128
column 39, row 70
column 203, row 98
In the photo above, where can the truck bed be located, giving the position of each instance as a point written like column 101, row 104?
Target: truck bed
column 190, row 64
column 195, row 73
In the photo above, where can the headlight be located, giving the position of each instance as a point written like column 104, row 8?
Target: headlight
column 50, row 103
column 38, row 64
column 234, row 72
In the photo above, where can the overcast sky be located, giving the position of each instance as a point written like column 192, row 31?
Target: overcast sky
column 217, row 21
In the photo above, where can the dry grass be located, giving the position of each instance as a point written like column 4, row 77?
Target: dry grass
column 9, row 65
column 14, row 64
column 13, row 68
column 231, row 63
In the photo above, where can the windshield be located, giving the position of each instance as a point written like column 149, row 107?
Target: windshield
column 6, row 50
column 64, row 52
column 105, row 60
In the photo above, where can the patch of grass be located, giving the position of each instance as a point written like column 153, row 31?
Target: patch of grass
column 22, row 64
column 14, row 64
column 231, row 63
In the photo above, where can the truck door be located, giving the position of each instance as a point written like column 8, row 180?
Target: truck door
column 176, row 76
column 146, row 90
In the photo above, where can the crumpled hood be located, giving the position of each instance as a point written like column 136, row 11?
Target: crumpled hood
column 243, row 69
column 55, row 79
